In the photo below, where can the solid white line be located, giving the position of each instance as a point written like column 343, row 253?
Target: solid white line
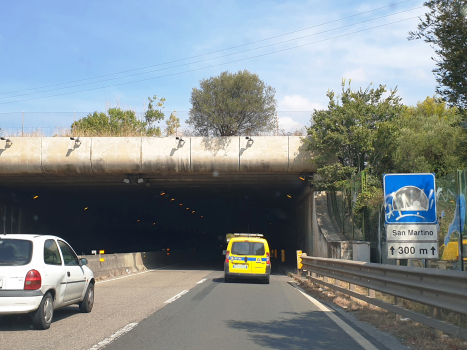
column 114, row 336
column 176, row 297
column 139, row 273
column 203, row 280
column 347, row 329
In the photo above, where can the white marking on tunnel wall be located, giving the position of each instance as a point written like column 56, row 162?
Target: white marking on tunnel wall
column 176, row 297
column 114, row 336
column 347, row 329
column 203, row 280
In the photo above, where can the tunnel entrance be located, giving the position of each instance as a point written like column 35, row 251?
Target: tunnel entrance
column 146, row 212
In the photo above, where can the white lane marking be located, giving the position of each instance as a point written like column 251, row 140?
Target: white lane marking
column 203, row 280
column 139, row 273
column 114, row 336
column 347, row 329
column 176, row 297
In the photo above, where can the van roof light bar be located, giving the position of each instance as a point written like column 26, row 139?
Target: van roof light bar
column 248, row 235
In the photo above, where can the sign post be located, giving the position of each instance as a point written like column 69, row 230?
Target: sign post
column 411, row 222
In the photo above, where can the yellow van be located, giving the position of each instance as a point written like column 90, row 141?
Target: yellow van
column 247, row 256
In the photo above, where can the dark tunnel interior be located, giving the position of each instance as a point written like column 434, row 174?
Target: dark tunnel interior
column 105, row 213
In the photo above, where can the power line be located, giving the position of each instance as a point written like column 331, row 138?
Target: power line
column 192, row 57
column 212, row 58
column 212, row 66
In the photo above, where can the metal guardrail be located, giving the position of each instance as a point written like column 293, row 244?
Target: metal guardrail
column 439, row 289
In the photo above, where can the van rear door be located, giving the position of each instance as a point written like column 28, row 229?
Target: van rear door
column 239, row 257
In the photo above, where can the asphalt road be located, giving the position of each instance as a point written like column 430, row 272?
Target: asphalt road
column 117, row 303
column 190, row 307
column 244, row 315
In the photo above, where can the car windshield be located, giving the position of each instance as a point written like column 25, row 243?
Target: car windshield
column 248, row 248
column 15, row 252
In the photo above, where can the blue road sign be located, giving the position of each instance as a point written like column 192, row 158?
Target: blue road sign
column 410, row 198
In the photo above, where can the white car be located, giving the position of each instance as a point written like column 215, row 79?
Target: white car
column 39, row 274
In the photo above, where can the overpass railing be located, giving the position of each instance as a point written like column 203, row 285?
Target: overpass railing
column 439, row 289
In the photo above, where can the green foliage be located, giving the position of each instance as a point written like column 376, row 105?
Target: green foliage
column 232, row 104
column 428, row 138
column 445, row 28
column 346, row 136
column 173, row 123
column 153, row 114
column 116, row 122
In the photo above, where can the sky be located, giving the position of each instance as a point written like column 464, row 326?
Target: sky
column 60, row 57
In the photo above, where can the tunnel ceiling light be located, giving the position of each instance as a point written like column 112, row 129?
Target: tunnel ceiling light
column 193, row 213
column 202, row 216
column 187, row 208
column 289, row 196
column 162, row 193
column 302, row 178
column 86, row 208
column 138, row 220
column 181, row 204
column 35, row 197
column 172, row 199
column 153, row 224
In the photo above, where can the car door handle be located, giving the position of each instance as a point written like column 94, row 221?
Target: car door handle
column 68, row 274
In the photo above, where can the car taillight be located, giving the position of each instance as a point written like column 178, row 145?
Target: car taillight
column 33, row 280
column 227, row 256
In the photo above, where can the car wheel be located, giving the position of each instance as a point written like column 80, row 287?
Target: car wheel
column 266, row 280
column 88, row 301
column 42, row 317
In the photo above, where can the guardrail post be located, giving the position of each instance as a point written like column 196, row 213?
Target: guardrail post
column 435, row 313
column 371, row 293
column 337, row 282
column 313, row 275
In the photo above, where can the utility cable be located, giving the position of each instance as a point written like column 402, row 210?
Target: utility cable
column 209, row 53
column 212, row 66
column 213, row 58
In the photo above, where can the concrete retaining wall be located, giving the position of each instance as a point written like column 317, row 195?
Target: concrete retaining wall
column 127, row 263
column 135, row 155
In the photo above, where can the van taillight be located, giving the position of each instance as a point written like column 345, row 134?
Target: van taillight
column 267, row 254
column 268, row 261
column 33, row 280
column 227, row 256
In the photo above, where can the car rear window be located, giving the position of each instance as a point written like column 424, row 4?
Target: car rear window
column 15, row 252
column 247, row 248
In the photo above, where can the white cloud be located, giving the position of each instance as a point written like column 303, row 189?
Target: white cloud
column 287, row 124
column 298, row 103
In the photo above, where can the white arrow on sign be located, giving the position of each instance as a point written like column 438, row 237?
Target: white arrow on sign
column 400, row 250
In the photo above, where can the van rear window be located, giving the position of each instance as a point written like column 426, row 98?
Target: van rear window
column 15, row 252
column 248, row 248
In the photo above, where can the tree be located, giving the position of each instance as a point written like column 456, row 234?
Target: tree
column 428, row 139
column 173, row 123
column 153, row 114
column 350, row 135
column 232, row 104
column 445, row 28
column 119, row 122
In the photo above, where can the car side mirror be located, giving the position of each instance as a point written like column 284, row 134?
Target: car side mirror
column 224, row 252
column 83, row 261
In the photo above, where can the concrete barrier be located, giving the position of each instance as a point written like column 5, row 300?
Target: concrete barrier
column 119, row 264
column 60, row 155
column 136, row 155
column 24, row 156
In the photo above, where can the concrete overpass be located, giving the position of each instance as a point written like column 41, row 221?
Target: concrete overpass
column 230, row 184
